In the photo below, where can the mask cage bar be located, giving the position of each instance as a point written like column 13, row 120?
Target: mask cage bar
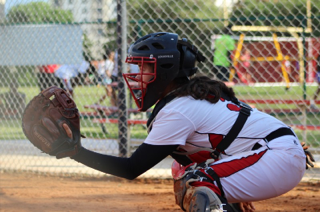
column 135, row 82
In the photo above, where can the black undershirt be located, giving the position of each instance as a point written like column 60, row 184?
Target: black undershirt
column 143, row 159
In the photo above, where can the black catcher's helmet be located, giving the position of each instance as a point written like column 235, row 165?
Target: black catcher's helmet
column 171, row 59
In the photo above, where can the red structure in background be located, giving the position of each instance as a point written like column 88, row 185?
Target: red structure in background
column 270, row 71
column 49, row 69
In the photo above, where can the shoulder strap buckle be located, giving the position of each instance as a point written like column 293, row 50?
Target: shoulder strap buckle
column 245, row 111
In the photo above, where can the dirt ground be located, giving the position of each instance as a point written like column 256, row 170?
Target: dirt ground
column 24, row 192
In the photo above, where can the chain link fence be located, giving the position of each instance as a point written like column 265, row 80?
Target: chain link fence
column 81, row 45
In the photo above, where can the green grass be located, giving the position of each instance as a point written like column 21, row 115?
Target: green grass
column 273, row 92
column 312, row 136
column 86, row 95
column 11, row 130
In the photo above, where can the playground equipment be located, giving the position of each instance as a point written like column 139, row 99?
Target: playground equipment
column 280, row 58
column 292, row 30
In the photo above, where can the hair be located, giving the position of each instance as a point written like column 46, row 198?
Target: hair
column 203, row 88
column 107, row 53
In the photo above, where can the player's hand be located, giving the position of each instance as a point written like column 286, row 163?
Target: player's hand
column 247, row 207
column 309, row 157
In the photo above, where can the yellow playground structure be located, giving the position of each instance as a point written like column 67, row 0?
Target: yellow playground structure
column 280, row 57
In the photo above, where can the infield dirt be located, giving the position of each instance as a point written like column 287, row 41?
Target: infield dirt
column 29, row 192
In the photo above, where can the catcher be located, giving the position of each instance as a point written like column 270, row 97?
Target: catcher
column 227, row 154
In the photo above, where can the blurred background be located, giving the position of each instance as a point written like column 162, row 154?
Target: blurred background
column 270, row 49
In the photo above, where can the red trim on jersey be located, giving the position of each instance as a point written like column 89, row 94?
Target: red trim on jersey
column 233, row 107
column 230, row 167
column 200, row 156
column 215, row 139
column 212, row 186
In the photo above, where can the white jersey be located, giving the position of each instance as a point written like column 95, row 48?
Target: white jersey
column 246, row 175
column 198, row 123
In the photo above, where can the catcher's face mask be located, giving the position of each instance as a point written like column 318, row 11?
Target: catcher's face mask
column 138, row 82
column 171, row 58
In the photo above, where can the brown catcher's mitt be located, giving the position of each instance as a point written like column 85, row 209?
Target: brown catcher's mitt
column 51, row 122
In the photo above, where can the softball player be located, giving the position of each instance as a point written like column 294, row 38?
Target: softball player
column 225, row 152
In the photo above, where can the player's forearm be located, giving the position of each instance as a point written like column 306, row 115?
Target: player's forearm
column 128, row 168
column 105, row 163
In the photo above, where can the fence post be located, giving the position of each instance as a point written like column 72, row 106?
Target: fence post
column 121, row 43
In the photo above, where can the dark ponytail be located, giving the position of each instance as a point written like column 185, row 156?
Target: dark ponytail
column 204, row 88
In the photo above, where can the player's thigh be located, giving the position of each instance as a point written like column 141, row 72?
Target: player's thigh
column 260, row 174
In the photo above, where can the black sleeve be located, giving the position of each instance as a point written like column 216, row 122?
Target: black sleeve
column 143, row 159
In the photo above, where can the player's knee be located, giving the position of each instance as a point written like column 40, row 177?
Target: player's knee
column 197, row 201
column 202, row 199
column 195, row 198
column 180, row 188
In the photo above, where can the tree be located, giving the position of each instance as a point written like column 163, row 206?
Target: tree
column 171, row 15
column 275, row 13
column 193, row 19
column 38, row 12
column 34, row 13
